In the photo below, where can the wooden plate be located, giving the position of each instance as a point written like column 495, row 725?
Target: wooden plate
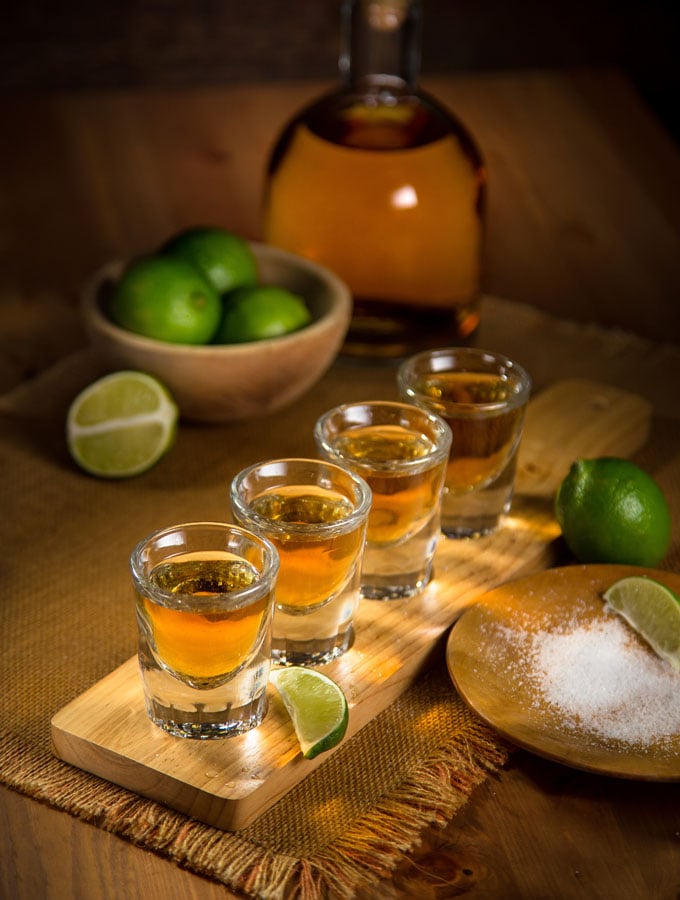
column 494, row 658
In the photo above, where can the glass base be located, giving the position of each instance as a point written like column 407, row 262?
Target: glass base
column 287, row 652
column 471, row 528
column 478, row 513
column 395, row 587
column 228, row 709
column 204, row 724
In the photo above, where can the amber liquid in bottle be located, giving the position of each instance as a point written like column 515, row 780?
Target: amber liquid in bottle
column 383, row 185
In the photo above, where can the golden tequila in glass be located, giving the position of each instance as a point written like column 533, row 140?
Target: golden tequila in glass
column 315, row 515
column 401, row 452
column 204, row 600
column 204, row 646
column 482, row 396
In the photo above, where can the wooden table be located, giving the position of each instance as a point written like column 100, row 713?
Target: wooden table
column 584, row 223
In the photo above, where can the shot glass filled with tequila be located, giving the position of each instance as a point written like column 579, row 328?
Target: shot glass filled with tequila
column 205, row 600
column 482, row 396
column 315, row 514
column 401, row 451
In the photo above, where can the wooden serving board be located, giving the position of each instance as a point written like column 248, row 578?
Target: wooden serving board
column 229, row 783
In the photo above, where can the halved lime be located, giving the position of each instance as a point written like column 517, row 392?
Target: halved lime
column 653, row 610
column 316, row 705
column 121, row 424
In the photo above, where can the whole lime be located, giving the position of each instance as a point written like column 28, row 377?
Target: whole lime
column 224, row 259
column 166, row 298
column 256, row 313
column 612, row 511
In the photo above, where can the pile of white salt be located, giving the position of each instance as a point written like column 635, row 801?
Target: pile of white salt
column 599, row 678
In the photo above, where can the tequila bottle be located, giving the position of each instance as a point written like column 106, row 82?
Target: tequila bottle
column 382, row 184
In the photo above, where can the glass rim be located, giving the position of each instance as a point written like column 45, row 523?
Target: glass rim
column 409, row 369
column 439, row 452
column 220, row 601
column 322, row 529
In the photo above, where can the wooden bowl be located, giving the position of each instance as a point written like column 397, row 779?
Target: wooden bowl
column 220, row 383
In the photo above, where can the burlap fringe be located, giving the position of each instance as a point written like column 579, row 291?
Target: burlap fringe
column 373, row 848
column 431, row 795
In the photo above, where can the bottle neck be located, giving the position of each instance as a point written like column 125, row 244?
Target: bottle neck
column 381, row 44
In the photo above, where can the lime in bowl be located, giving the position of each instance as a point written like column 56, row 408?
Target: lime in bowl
column 255, row 374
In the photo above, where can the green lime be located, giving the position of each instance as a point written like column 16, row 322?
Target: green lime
column 653, row 610
column 611, row 511
column 121, row 424
column 166, row 298
column 317, row 706
column 224, row 259
column 255, row 313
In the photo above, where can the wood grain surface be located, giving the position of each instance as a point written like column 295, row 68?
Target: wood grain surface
column 582, row 214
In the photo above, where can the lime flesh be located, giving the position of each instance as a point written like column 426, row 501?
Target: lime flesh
column 121, row 425
column 317, row 707
column 651, row 609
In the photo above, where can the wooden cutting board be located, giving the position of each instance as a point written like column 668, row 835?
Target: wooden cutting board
column 229, row 783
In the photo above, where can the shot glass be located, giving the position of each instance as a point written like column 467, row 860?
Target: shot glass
column 483, row 398
column 205, row 601
column 315, row 514
column 401, row 451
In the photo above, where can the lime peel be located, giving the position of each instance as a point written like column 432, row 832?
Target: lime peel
column 652, row 610
column 165, row 298
column 121, row 424
column 612, row 511
column 261, row 312
column 316, row 705
column 224, row 259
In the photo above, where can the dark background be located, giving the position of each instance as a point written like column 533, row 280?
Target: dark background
column 156, row 43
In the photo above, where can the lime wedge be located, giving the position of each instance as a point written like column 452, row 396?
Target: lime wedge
column 653, row 610
column 121, row 425
column 316, row 705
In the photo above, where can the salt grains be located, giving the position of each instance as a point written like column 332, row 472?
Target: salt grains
column 601, row 680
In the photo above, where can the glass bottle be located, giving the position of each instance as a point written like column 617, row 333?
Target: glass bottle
column 379, row 182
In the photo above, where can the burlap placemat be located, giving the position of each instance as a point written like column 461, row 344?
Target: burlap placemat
column 66, row 621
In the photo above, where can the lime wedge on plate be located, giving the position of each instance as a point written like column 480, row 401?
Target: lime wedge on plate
column 121, row 425
column 317, row 706
column 653, row 610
